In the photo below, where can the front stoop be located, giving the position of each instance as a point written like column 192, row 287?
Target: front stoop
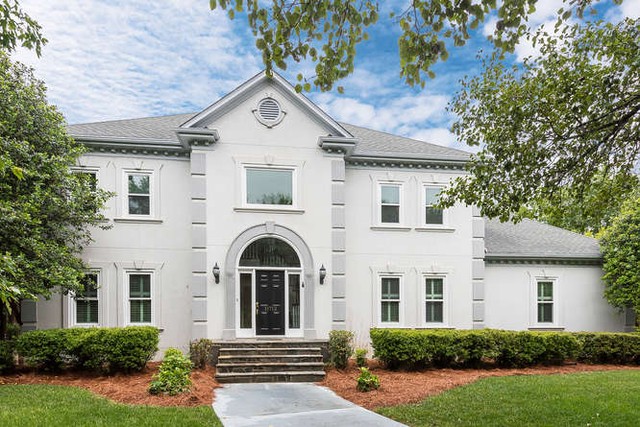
column 258, row 361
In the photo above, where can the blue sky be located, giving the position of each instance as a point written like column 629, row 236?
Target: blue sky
column 115, row 59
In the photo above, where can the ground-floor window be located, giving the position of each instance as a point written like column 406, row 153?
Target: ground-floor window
column 390, row 300
column 545, row 301
column 434, row 300
column 87, row 308
column 139, row 291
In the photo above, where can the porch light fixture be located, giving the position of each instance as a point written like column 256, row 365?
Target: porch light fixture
column 216, row 273
column 323, row 274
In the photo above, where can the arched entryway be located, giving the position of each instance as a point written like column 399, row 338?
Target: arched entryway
column 269, row 285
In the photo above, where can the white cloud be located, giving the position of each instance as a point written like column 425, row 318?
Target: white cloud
column 130, row 59
column 628, row 9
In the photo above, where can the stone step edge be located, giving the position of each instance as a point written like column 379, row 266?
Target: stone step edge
column 250, row 349
column 225, row 365
column 256, row 374
column 257, row 356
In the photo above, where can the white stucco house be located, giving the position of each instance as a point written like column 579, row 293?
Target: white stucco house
column 261, row 216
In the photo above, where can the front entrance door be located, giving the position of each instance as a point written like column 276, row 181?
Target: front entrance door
column 270, row 302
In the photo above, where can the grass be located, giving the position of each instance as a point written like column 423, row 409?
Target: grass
column 586, row 399
column 49, row 405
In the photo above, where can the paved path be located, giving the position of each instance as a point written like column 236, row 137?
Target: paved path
column 290, row 404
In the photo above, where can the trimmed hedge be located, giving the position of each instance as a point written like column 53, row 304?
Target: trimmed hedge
column 106, row 350
column 6, row 356
column 414, row 349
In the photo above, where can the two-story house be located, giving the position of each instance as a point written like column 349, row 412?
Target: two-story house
column 263, row 216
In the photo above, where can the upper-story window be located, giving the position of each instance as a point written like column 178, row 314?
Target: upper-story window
column 270, row 186
column 432, row 215
column 390, row 203
column 88, row 177
column 139, row 186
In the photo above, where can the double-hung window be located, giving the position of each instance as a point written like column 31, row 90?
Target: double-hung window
column 139, row 297
column 139, row 190
column 434, row 300
column 545, row 301
column 86, row 301
column 390, row 203
column 432, row 215
column 269, row 186
column 390, row 301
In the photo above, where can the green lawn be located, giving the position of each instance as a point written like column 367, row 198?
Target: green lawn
column 595, row 398
column 47, row 405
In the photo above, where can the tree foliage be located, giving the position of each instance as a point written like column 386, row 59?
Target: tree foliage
column 558, row 121
column 18, row 28
column 327, row 32
column 621, row 250
column 45, row 209
column 588, row 212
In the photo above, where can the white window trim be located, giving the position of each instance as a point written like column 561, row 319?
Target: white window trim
column 154, row 297
column 444, row 227
column 71, row 305
column 122, row 209
column 556, row 324
column 400, row 322
column 254, row 207
column 378, row 224
column 445, row 301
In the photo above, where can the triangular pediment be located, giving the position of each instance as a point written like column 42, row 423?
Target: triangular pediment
column 262, row 82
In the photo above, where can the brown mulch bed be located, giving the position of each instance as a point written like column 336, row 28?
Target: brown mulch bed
column 130, row 389
column 400, row 387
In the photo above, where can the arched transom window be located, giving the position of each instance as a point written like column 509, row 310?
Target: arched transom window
column 269, row 252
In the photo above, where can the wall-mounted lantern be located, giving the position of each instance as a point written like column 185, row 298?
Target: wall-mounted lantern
column 323, row 274
column 216, row 273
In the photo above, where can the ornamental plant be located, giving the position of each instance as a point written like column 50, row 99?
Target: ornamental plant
column 173, row 376
column 361, row 357
column 367, row 381
column 340, row 348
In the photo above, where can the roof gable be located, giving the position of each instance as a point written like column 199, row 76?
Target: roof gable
column 254, row 84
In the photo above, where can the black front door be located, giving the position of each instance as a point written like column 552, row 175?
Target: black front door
column 270, row 302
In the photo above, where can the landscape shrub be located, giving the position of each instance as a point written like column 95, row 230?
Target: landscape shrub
column 361, row 357
column 340, row 348
column 105, row 350
column 618, row 348
column 7, row 360
column 201, row 352
column 173, row 376
column 412, row 349
column 367, row 381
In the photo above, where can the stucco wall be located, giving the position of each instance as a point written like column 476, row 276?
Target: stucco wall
column 511, row 298
column 409, row 250
column 162, row 246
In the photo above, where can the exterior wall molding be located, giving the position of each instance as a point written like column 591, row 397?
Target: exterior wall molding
column 389, row 162
column 268, row 229
column 494, row 260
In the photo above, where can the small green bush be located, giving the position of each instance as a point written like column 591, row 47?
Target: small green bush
column 361, row 357
column 173, row 376
column 105, row 350
column 617, row 348
column 367, row 381
column 7, row 359
column 201, row 352
column 340, row 348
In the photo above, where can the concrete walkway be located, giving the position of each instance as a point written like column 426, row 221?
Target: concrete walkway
column 290, row 404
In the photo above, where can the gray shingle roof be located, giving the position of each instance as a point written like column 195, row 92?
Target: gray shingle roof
column 371, row 143
column 161, row 129
column 532, row 239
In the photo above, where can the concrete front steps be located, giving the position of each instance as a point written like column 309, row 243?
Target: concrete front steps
column 260, row 361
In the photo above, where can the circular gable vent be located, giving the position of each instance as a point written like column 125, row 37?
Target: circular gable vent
column 269, row 112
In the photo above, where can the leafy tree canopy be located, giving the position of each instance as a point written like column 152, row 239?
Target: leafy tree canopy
column 328, row 31
column 621, row 251
column 45, row 209
column 564, row 119
column 18, row 28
